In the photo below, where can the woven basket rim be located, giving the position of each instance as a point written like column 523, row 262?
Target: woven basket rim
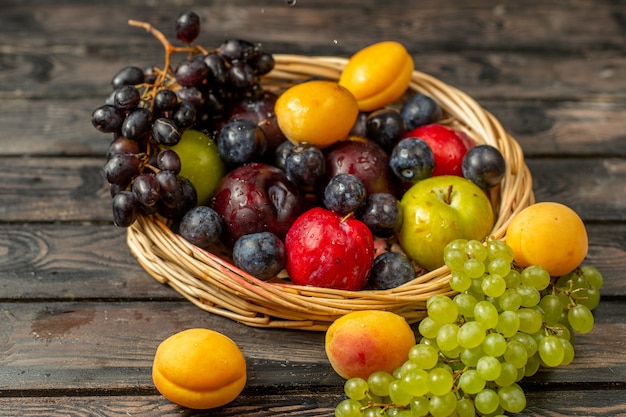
column 215, row 285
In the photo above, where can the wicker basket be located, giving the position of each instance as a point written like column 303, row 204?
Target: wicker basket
column 217, row 286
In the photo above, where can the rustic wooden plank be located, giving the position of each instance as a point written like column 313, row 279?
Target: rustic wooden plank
column 74, row 190
column 599, row 403
column 79, row 72
column 68, row 262
column 431, row 26
column 95, row 346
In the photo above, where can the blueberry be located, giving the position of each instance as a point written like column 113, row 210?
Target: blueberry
column 382, row 213
column 344, row 193
column 484, row 165
column 201, row 226
column 412, row 160
column 305, row 164
column 241, row 141
column 282, row 152
column 385, row 127
column 420, row 109
column 262, row 254
column 390, row 270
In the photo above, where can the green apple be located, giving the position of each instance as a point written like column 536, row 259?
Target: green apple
column 200, row 163
column 438, row 210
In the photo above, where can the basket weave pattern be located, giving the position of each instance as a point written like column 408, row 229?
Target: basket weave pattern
column 215, row 285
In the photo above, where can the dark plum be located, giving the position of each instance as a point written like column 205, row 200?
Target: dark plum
column 344, row 194
column 305, row 164
column 241, row 141
column 412, row 160
column 420, row 109
column 262, row 254
column 484, row 165
column 201, row 226
column 390, row 270
column 385, row 127
column 382, row 213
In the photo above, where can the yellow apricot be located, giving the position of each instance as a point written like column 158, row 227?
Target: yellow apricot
column 550, row 235
column 199, row 368
column 378, row 75
column 363, row 342
column 318, row 112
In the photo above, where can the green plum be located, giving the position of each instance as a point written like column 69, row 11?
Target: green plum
column 200, row 163
column 438, row 210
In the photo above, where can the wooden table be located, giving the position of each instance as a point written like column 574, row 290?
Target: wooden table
column 80, row 319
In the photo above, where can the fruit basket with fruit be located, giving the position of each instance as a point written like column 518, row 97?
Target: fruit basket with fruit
column 157, row 111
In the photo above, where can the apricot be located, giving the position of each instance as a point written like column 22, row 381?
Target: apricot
column 199, row 368
column 550, row 235
column 378, row 75
column 363, row 342
column 317, row 112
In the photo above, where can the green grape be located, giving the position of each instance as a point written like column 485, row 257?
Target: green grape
column 428, row 327
column 551, row 351
column 471, row 334
column 512, row 398
column 589, row 297
column 453, row 353
column 447, row 337
column 455, row 259
column 497, row 249
column 493, row 285
column 425, row 356
column 374, row 412
column 477, row 250
column 568, row 348
column 415, row 382
column 404, row 413
column 465, row 408
column 439, row 381
column 474, row 268
column 488, row 368
column 356, row 388
column 476, row 289
column 459, row 281
column 536, row 276
column 530, row 295
column 487, row 401
column 405, row 368
column 508, row 375
column 532, row 365
column 516, row 354
column 486, row 313
column 465, row 303
column 471, row 383
column 397, row 394
column 379, row 383
column 499, row 266
column 348, row 408
column 494, row 344
column 527, row 340
column 460, row 244
column 530, row 320
column 510, row 300
column 593, row 276
column 513, row 279
column 442, row 309
column 470, row 356
column 420, row 406
column 552, row 308
column 508, row 323
column 442, row 405
column 580, row 318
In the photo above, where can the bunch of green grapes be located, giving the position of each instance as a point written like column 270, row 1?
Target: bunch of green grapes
column 503, row 324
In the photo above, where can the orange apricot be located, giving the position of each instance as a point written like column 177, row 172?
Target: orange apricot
column 550, row 235
column 363, row 342
column 318, row 112
column 378, row 75
column 199, row 368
